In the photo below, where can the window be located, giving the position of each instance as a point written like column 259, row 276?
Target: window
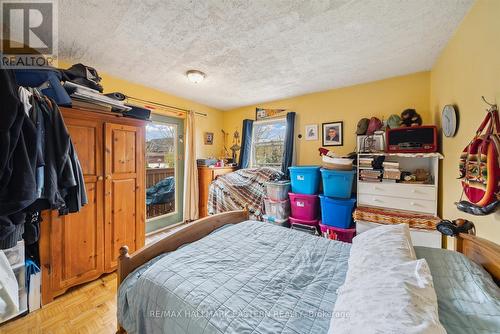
column 268, row 139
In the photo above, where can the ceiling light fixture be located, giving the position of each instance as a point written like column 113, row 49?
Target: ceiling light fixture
column 195, row 76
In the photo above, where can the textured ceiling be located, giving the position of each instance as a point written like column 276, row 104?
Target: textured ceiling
column 256, row 51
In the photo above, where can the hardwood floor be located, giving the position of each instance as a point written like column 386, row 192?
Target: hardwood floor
column 86, row 309
column 89, row 308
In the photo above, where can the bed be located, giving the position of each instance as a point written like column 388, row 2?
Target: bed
column 226, row 274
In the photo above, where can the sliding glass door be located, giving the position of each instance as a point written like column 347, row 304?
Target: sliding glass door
column 164, row 171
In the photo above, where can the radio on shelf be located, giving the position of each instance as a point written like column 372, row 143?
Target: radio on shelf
column 415, row 139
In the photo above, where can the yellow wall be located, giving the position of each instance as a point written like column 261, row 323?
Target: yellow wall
column 210, row 123
column 379, row 98
column 468, row 67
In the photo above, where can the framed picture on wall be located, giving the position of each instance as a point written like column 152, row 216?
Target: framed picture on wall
column 209, row 138
column 312, row 132
column 333, row 134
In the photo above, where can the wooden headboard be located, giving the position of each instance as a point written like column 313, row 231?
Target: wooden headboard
column 481, row 251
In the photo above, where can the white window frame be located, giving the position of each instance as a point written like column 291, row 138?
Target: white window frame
column 252, row 146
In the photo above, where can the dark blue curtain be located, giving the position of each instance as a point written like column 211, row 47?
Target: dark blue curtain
column 246, row 143
column 288, row 146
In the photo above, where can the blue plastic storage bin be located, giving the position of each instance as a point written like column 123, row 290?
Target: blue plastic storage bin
column 304, row 179
column 337, row 183
column 337, row 212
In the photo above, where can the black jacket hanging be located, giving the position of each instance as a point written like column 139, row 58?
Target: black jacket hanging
column 64, row 187
column 17, row 161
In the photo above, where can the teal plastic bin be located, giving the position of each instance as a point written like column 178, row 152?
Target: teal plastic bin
column 337, row 183
column 304, row 179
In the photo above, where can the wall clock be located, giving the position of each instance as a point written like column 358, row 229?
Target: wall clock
column 449, row 120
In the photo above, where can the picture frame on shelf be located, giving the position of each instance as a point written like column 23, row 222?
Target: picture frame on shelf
column 370, row 143
column 333, row 134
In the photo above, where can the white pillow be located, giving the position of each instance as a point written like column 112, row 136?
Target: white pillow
column 398, row 299
column 379, row 247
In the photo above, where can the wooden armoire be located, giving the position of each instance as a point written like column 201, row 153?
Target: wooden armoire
column 82, row 246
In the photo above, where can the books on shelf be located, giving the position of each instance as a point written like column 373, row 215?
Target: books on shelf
column 370, row 175
column 390, row 165
column 365, row 162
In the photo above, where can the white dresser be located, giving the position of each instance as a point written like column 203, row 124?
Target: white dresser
column 420, row 198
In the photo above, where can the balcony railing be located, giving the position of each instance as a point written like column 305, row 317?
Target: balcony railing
column 153, row 176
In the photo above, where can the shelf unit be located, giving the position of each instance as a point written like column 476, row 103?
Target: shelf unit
column 421, row 198
column 411, row 197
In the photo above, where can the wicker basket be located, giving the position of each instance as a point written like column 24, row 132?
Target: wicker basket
column 384, row 216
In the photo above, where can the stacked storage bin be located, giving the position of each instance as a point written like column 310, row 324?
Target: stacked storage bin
column 337, row 205
column 304, row 198
column 277, row 204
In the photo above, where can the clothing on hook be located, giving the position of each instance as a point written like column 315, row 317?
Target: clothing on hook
column 39, row 167
column 25, row 97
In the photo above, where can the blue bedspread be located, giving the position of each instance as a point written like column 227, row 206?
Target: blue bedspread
column 468, row 299
column 252, row 277
column 259, row 278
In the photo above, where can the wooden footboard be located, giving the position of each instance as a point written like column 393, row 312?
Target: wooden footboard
column 189, row 233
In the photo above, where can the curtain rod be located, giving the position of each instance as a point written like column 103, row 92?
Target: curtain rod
column 165, row 105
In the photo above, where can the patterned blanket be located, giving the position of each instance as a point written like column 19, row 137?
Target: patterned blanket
column 244, row 187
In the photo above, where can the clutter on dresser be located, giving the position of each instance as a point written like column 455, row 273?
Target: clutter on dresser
column 480, row 167
column 83, row 75
column 84, row 94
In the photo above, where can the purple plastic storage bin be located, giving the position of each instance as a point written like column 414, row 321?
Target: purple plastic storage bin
column 304, row 206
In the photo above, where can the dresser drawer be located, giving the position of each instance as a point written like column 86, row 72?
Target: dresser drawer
column 398, row 203
column 414, row 191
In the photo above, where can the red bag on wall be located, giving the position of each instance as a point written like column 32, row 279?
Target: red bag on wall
column 480, row 162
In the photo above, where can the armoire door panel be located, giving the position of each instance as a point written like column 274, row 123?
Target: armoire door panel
column 124, row 190
column 123, row 212
column 82, row 247
column 84, row 139
column 124, row 150
column 77, row 239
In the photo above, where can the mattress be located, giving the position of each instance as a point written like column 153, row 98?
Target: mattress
column 251, row 277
